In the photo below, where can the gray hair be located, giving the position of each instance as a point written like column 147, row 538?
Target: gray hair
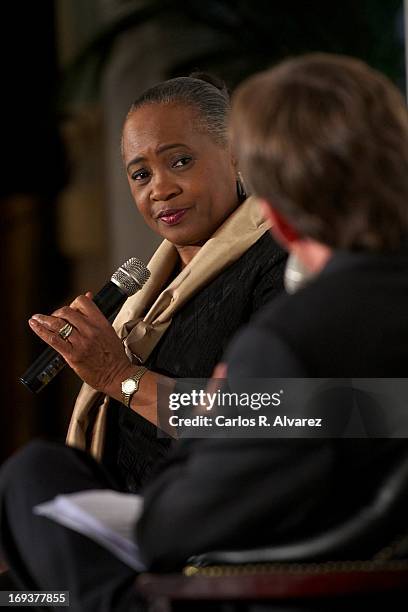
column 205, row 94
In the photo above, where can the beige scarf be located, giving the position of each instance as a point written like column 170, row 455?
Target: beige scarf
column 145, row 317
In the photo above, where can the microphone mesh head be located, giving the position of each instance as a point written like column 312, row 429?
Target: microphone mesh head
column 131, row 276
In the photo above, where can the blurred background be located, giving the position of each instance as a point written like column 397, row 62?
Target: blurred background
column 70, row 69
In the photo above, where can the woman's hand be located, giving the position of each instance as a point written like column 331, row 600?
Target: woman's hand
column 92, row 349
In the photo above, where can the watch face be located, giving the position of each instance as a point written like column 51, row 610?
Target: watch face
column 129, row 386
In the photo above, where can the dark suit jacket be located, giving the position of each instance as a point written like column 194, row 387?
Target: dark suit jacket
column 191, row 347
column 351, row 321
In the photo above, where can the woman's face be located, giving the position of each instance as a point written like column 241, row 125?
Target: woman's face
column 183, row 183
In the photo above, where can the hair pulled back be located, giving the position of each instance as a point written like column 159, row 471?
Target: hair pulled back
column 205, row 94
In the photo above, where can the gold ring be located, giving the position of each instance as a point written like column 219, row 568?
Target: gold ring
column 65, row 331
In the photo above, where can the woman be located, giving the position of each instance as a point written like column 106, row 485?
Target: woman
column 216, row 266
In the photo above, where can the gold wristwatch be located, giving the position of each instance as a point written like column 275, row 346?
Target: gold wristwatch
column 131, row 385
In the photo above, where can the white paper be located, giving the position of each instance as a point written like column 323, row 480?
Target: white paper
column 103, row 515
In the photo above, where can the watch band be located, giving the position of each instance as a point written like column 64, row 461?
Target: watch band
column 127, row 384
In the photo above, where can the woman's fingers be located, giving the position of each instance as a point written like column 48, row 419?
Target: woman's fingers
column 56, row 321
column 49, row 332
column 92, row 348
column 50, row 323
column 83, row 314
column 82, row 322
column 85, row 305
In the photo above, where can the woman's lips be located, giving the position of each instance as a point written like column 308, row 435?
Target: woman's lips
column 172, row 217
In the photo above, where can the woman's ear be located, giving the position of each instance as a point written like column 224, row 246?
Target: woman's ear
column 282, row 231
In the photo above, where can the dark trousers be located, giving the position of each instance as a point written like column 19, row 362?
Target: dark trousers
column 44, row 555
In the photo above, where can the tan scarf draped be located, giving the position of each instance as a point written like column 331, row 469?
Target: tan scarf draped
column 145, row 316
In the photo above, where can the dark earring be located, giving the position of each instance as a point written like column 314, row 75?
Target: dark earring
column 241, row 193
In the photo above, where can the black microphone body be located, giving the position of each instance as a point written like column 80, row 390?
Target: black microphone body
column 109, row 300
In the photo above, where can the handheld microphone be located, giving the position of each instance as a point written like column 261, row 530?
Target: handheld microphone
column 127, row 279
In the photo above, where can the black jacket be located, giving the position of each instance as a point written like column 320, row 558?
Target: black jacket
column 191, row 347
column 351, row 321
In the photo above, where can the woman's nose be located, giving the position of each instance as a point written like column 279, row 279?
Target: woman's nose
column 163, row 187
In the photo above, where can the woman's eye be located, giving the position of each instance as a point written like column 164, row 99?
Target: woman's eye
column 182, row 161
column 139, row 175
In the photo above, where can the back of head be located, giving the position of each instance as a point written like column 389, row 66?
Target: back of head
column 324, row 139
column 205, row 94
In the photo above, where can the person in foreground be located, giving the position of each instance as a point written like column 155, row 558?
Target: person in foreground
column 323, row 141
